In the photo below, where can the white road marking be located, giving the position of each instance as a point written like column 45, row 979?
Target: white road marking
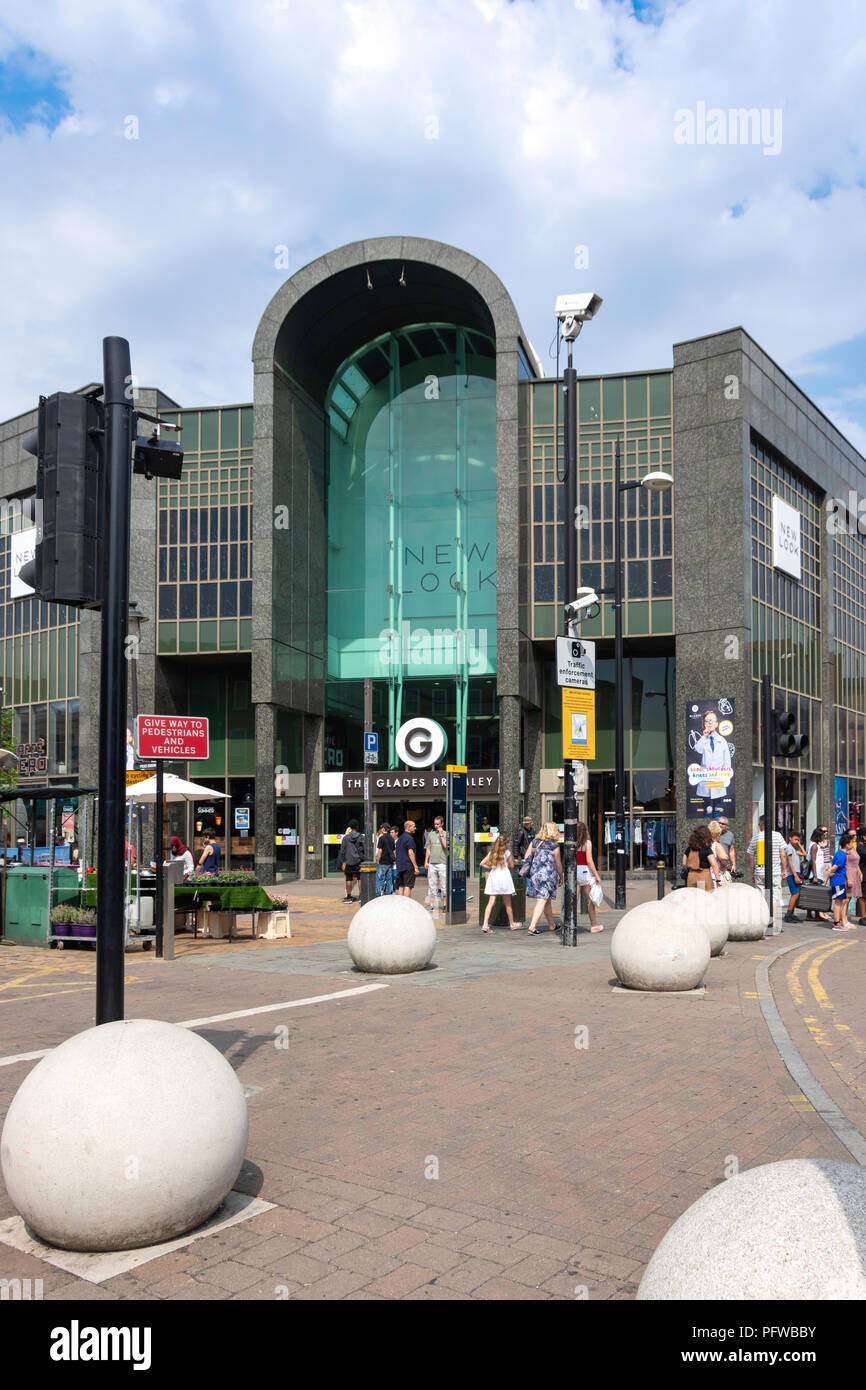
column 24, row 1057
column 287, row 1004
column 223, row 1018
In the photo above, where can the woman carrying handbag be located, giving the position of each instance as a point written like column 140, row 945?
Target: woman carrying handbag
column 588, row 881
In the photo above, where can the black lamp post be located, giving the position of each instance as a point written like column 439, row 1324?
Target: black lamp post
column 655, row 482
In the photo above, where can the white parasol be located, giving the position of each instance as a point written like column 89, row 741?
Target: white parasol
column 173, row 789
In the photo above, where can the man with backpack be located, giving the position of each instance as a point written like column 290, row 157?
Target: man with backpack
column 350, row 858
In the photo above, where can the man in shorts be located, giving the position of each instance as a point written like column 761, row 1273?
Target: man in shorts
column 435, row 862
column 407, row 864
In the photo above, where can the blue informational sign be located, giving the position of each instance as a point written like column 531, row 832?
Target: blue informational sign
column 456, row 826
column 242, row 818
column 371, row 743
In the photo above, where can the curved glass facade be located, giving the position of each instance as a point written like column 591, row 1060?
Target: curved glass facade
column 411, row 570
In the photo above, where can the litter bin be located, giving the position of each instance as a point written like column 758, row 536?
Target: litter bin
column 26, row 916
column 518, row 901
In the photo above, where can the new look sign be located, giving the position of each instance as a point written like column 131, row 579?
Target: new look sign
column 786, row 539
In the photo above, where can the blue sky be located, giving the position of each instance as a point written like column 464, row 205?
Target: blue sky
column 547, row 137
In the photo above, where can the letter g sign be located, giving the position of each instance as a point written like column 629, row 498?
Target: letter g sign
column 421, row 742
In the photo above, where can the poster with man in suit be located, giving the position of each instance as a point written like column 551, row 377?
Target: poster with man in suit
column 710, row 758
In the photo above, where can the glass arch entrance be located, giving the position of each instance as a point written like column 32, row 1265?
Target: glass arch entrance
column 411, row 508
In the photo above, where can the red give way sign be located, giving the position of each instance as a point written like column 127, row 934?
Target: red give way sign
column 170, row 736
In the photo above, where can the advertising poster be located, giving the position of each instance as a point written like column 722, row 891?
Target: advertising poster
column 840, row 806
column 710, row 758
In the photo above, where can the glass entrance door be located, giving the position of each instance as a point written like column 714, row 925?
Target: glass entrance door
column 288, row 835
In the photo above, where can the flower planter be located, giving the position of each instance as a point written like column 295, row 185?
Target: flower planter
column 216, row 924
column 62, row 928
column 278, row 925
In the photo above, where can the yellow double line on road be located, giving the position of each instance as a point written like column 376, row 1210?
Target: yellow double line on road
column 818, row 956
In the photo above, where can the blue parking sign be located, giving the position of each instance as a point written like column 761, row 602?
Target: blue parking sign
column 371, row 743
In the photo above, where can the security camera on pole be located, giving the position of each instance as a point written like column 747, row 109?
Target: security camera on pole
column 572, row 311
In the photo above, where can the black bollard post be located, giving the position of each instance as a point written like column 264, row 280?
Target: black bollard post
column 660, row 872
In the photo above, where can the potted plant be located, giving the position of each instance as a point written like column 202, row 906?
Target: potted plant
column 86, row 925
column 63, row 919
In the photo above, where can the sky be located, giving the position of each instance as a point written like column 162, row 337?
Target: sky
column 161, row 163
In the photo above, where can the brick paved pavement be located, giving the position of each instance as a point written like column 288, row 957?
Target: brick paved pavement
column 444, row 1137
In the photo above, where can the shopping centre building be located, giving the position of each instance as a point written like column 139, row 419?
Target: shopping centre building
column 387, row 508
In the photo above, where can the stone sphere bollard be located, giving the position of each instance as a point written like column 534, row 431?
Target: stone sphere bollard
column 695, row 905
column 651, row 950
column 789, row 1230
column 125, row 1135
column 745, row 909
column 391, row 936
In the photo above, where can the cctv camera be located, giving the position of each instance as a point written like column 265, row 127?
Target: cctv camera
column 577, row 307
column 581, row 606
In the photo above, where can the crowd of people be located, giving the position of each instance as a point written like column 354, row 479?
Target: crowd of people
column 709, row 861
column 538, row 856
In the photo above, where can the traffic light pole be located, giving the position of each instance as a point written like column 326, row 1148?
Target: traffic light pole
column 569, row 813
column 119, row 423
column 767, row 698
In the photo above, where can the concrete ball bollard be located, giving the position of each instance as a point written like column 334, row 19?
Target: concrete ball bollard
column 696, row 905
column 650, row 950
column 794, row 1230
column 391, row 935
column 125, row 1135
column 745, row 909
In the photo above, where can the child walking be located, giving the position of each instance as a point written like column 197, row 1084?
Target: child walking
column 500, row 884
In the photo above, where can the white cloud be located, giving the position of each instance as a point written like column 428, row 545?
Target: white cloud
column 289, row 124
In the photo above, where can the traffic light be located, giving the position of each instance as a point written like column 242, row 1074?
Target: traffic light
column 787, row 743
column 68, row 444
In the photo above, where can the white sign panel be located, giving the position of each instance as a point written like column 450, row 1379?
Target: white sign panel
column 575, row 663
column 22, row 548
column 786, row 538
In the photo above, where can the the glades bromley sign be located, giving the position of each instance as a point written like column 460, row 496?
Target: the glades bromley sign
column 173, row 737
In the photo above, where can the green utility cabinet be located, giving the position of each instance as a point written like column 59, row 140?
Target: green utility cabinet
column 26, row 918
column 518, row 902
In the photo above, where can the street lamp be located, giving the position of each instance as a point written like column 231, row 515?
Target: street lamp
column 653, row 482
column 573, row 311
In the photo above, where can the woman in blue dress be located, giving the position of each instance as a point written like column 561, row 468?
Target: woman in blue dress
column 545, row 873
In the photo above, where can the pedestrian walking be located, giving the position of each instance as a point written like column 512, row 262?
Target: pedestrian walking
column 385, row 860
column 837, row 875
column 500, row 884
column 855, row 878
column 587, row 875
column 395, row 835
column 701, row 864
column 861, row 850
column 523, row 839
column 544, row 873
column 407, row 864
column 794, row 856
column 726, row 839
column 436, row 862
column 350, row 857
column 723, row 873
column 756, row 852
column 818, row 847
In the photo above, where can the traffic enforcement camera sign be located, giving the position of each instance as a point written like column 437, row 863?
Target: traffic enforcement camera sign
column 170, row 737
column 575, row 663
column 578, row 724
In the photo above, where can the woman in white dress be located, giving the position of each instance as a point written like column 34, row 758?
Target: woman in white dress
column 500, row 884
